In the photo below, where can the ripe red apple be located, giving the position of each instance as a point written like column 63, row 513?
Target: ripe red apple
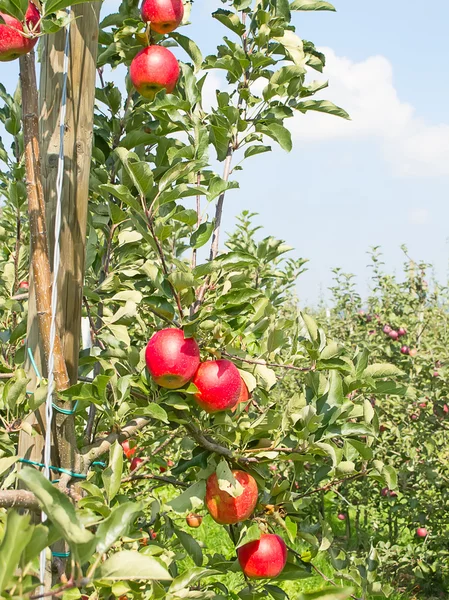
column 23, row 285
column 413, row 352
column 436, row 374
column 414, row 417
column 172, row 359
column 394, row 335
column 12, row 43
column 422, row 405
column 129, row 452
column 153, row 69
column 405, row 350
column 170, row 463
column 219, row 385
column 163, row 15
column 402, row 331
column 244, row 397
column 386, row 329
column 422, row 532
column 341, row 517
column 445, row 409
column 136, row 462
column 194, row 520
column 264, row 558
column 225, row 509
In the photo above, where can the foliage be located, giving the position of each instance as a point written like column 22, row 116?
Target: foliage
column 304, row 432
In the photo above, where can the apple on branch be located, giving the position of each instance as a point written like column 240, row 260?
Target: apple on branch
column 172, row 359
column 263, row 558
column 223, row 507
column 163, row 15
column 153, row 69
column 12, row 41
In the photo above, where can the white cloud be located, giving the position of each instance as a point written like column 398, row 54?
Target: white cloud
column 366, row 90
column 418, row 216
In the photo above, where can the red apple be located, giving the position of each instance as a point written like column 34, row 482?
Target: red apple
column 136, row 462
column 386, row 329
column 436, row 374
column 129, row 452
column 413, row 352
column 224, row 508
column 194, row 520
column 172, row 359
column 153, row 69
column 170, row 463
column 385, row 492
column 23, row 285
column 244, row 397
column 422, row 405
column 163, row 15
column 445, row 409
column 372, row 332
column 12, row 43
column 219, row 385
column 162, row 469
column 341, row 517
column 394, row 335
column 402, row 331
column 422, row 532
column 414, row 417
column 264, row 558
column 405, row 350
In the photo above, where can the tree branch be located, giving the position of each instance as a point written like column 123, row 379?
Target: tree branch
column 18, row 499
column 209, row 444
column 265, row 364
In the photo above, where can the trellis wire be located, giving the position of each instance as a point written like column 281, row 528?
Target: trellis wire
column 54, row 291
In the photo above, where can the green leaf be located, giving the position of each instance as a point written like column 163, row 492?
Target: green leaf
column 122, row 193
column 250, row 534
column 112, row 475
column 202, row 235
column 191, row 546
column 292, row 529
column 381, row 370
column 116, row 525
column 52, row 6
column 15, row 390
column 229, row 20
column 181, row 280
column 6, row 463
column 155, row 411
column 128, row 565
column 226, row 481
column 139, row 171
column 18, row 533
column 189, row 578
column 15, row 8
column 161, row 306
column 311, row 5
column 283, row 10
column 190, row 47
column 253, row 150
column 57, row 507
column 277, row 132
column 324, row 106
column 191, row 499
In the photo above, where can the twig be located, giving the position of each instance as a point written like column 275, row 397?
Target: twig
column 67, row 586
column 161, row 254
column 6, row 375
column 23, row 296
column 155, row 452
column 265, row 364
column 332, row 484
column 213, row 446
column 175, row 482
column 198, row 216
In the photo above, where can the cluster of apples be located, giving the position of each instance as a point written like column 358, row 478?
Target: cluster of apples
column 13, row 39
column 155, row 68
column 173, row 361
column 262, row 558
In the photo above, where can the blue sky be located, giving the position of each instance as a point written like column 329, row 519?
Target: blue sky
column 383, row 178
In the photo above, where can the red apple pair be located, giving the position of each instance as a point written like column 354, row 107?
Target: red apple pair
column 173, row 361
column 12, row 41
column 155, row 68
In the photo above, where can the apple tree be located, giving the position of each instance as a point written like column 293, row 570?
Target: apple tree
column 236, row 410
